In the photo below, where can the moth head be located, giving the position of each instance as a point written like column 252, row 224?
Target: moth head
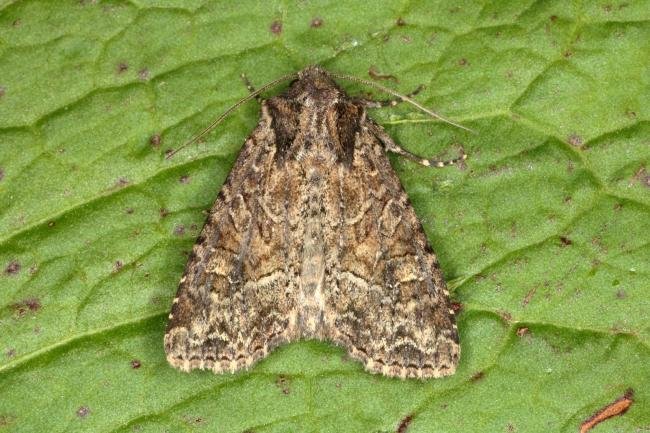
column 314, row 87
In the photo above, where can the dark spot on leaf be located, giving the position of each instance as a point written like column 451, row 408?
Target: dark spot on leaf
column 179, row 230
column 196, row 420
column 607, row 8
column 505, row 315
column 143, row 74
column 553, row 18
column 163, row 212
column 568, row 199
column 17, row 22
column 10, row 353
column 129, row 211
column 528, row 297
column 12, row 268
column 155, row 141
column 284, row 384
column 400, row 22
column 122, row 67
column 620, row 294
column 565, row 242
column 33, row 269
column 276, row 27
column 575, row 140
column 316, row 23
column 630, row 114
column 3, row 91
column 642, row 177
column 121, row 182
column 510, row 428
column 83, row 411
column 463, row 62
column 404, row 424
column 477, row 376
column 193, row 227
column 168, row 153
column 406, row 39
column 567, row 54
column 522, row 331
column 135, row 364
column 184, row 179
column 51, row 224
column 2, row 174
column 118, row 265
column 5, row 420
column 376, row 75
column 457, row 307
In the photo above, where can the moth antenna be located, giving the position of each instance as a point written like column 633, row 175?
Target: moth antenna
column 232, row 108
column 402, row 97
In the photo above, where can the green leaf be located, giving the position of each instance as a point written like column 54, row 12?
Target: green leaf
column 544, row 235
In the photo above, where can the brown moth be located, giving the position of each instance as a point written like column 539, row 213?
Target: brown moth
column 313, row 236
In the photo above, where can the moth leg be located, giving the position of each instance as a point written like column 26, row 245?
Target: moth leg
column 391, row 146
column 371, row 103
column 250, row 87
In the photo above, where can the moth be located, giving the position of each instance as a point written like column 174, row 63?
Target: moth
column 313, row 237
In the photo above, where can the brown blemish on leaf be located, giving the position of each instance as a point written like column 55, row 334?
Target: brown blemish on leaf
column 2, row 174
column 3, row 91
column 17, row 22
column 10, row 353
column 155, row 141
column 522, row 331
column 316, row 23
column 630, row 114
column 529, row 296
column 477, row 376
column 567, row 54
column 617, row 407
column 642, row 177
column 510, row 428
column 51, row 224
column 122, row 67
column 406, row 39
column 284, row 384
column 179, row 230
column 135, row 364
column 505, row 315
column 12, row 268
column 620, row 294
column 83, row 411
column 169, row 152
column 143, row 74
column 27, row 305
column 565, row 242
column 400, row 22
column 193, row 420
column 5, row 420
column 163, row 212
column 376, row 75
column 129, row 211
column 463, row 62
column 276, row 27
column 184, row 179
column 117, row 265
column 404, row 424
column 121, row 182
column 575, row 140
